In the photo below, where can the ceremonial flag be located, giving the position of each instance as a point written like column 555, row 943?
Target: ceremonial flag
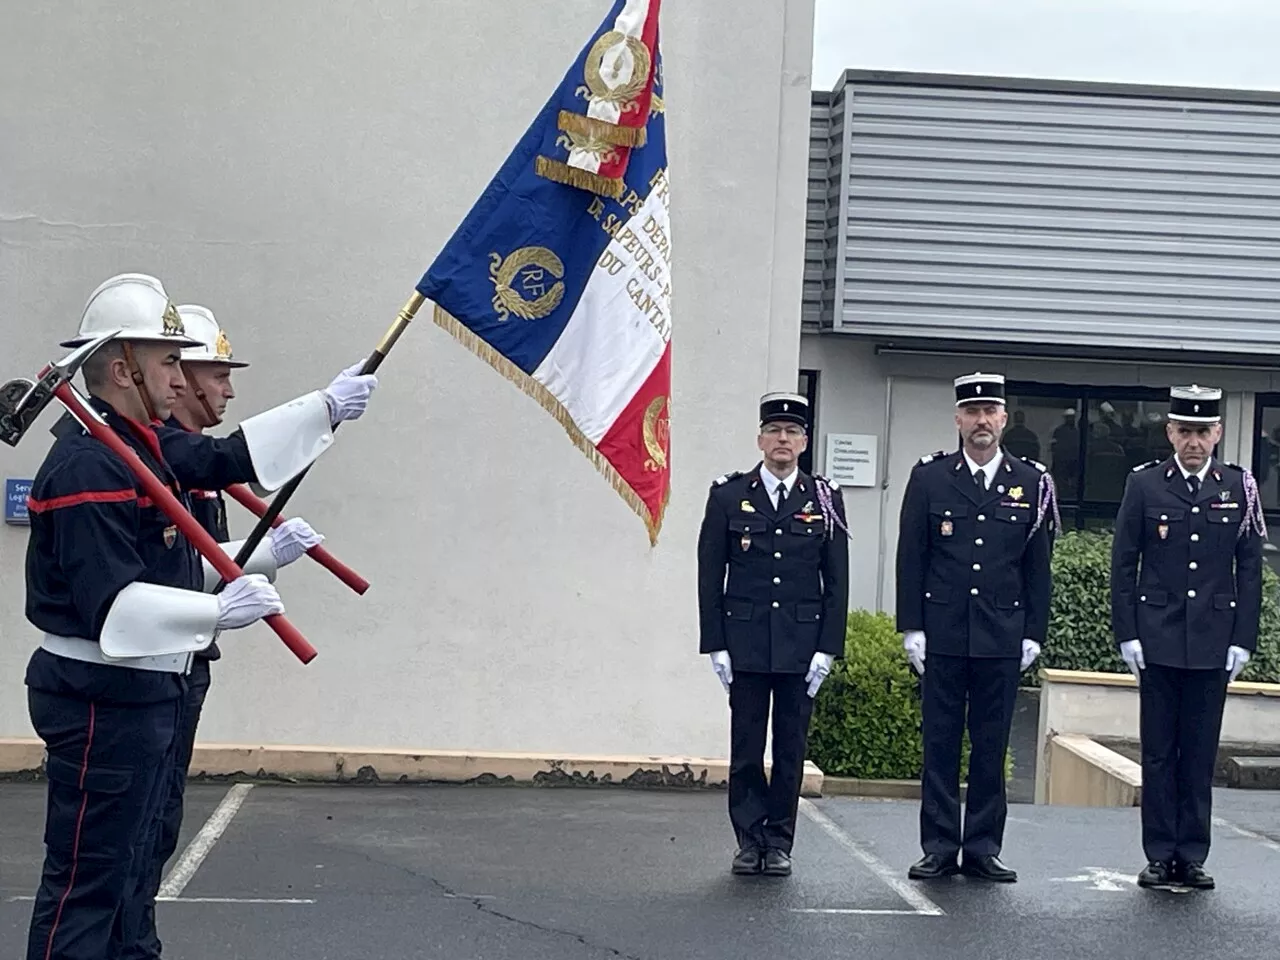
column 560, row 275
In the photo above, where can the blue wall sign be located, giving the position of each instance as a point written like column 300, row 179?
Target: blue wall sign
column 15, row 500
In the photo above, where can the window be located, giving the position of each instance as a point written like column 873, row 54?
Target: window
column 807, row 387
column 1266, row 452
column 1089, row 438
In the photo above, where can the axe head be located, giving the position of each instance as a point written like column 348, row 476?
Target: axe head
column 22, row 401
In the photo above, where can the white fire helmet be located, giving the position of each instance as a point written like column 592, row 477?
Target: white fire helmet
column 214, row 346
column 137, row 306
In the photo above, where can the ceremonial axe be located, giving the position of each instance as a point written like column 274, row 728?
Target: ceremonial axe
column 21, row 403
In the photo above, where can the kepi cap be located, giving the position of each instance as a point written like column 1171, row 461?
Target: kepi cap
column 789, row 407
column 980, row 388
column 1195, row 404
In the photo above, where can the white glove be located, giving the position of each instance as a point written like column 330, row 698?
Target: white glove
column 291, row 540
column 348, row 394
column 1131, row 650
column 246, row 600
column 1030, row 650
column 1237, row 657
column 723, row 666
column 819, row 667
column 913, row 643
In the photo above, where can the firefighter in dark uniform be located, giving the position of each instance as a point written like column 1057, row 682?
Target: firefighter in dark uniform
column 973, row 590
column 116, row 593
column 201, row 404
column 773, row 588
column 1185, row 624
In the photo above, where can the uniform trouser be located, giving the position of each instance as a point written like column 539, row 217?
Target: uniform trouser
column 989, row 688
column 763, row 812
column 107, row 765
column 147, row 946
column 1180, row 722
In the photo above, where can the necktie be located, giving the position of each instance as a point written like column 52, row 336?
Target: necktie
column 1194, row 483
column 980, row 478
column 782, row 495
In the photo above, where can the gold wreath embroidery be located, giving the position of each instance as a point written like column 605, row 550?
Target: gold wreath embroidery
column 656, row 432
column 624, row 94
column 507, row 300
column 604, row 151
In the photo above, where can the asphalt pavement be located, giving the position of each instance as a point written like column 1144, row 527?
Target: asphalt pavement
column 350, row 872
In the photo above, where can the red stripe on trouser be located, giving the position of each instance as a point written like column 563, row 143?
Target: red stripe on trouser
column 75, row 846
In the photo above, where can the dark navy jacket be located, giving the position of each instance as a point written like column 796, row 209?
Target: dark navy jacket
column 773, row 588
column 207, row 506
column 973, row 565
column 1200, row 586
column 94, row 530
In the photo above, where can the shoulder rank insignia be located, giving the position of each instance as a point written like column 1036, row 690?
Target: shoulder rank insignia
column 930, row 457
column 1035, row 463
column 733, row 475
column 827, row 480
column 1144, row 466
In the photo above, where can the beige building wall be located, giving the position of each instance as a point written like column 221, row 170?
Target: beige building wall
column 296, row 171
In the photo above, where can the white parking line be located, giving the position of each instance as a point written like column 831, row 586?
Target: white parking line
column 203, row 842
column 919, row 902
column 1265, row 841
column 858, row 910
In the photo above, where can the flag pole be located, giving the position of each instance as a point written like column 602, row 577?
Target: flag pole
column 398, row 326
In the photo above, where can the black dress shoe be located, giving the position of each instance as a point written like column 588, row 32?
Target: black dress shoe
column 988, row 868
column 1195, row 875
column 777, row 863
column 933, row 866
column 1157, row 873
column 747, row 860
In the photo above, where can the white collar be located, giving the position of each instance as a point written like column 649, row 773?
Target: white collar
column 989, row 468
column 771, row 482
column 1200, row 473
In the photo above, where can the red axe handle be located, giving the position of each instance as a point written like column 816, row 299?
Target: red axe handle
column 166, row 501
column 258, row 507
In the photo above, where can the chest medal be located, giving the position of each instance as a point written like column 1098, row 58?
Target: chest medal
column 946, row 528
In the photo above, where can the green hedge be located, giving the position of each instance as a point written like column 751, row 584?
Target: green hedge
column 866, row 719
column 1080, row 636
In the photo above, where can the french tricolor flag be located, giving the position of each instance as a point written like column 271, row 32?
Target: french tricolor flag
column 560, row 275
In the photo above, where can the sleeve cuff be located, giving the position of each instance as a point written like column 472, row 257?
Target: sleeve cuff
column 285, row 440
column 147, row 620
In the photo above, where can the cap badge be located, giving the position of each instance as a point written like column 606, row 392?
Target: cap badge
column 222, row 346
column 172, row 322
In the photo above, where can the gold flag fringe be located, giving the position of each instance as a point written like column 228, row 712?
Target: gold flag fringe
column 547, row 400
column 561, row 172
column 616, row 134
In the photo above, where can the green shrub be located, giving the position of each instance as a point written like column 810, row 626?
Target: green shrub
column 866, row 717
column 1079, row 636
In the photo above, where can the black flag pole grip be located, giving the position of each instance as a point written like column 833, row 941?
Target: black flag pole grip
column 263, row 526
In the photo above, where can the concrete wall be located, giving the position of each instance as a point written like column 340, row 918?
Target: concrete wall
column 297, row 172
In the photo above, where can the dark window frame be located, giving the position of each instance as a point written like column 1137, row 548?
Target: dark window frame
column 1080, row 513
column 807, row 387
column 1261, row 403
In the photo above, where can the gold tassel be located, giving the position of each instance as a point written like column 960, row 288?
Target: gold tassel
column 561, row 172
column 547, row 400
column 585, row 126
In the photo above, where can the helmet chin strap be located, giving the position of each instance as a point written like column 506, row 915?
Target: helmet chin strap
column 213, row 417
column 136, row 372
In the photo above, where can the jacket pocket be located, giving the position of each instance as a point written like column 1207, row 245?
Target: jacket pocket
column 808, row 612
column 1224, row 601
column 938, row 593
column 735, row 609
column 1153, row 597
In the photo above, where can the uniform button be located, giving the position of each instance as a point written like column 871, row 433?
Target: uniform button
column 1233, row 603
column 775, row 603
column 1195, row 537
column 1195, row 509
column 974, row 591
column 1143, row 598
column 946, row 513
column 1164, row 516
column 1192, row 564
column 1191, row 593
column 778, row 532
column 1017, row 603
column 977, row 566
column 777, row 580
column 978, row 542
column 777, row 556
column 981, row 517
column 1226, row 519
column 927, row 594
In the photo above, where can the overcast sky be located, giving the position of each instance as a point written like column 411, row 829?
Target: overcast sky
column 1209, row 43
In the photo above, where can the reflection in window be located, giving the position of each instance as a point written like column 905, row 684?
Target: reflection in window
column 1266, row 454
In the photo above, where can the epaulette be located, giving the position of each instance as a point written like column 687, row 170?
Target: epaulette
column 1035, row 463
column 734, row 475
column 930, row 457
column 1234, row 466
column 827, row 480
column 1144, row 466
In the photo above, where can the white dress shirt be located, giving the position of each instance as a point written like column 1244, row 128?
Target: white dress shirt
column 989, row 468
column 771, row 483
